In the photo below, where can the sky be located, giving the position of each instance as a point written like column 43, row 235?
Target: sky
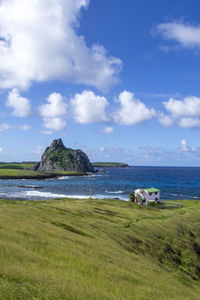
column 118, row 79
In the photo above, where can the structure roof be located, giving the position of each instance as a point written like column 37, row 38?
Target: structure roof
column 152, row 190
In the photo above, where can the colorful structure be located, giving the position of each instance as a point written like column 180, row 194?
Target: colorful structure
column 144, row 196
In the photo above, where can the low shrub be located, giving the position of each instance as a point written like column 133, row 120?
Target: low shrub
column 152, row 203
column 132, row 197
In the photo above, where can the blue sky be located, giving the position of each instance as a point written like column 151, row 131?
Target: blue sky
column 118, row 79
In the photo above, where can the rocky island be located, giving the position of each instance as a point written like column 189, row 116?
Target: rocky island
column 57, row 158
column 56, row 161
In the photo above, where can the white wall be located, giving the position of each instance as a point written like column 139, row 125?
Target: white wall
column 144, row 194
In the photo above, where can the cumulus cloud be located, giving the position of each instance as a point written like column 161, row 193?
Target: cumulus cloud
column 44, row 45
column 184, row 113
column 186, row 148
column 89, row 108
column 53, row 113
column 165, row 120
column 55, row 107
column 108, row 129
column 132, row 110
column 56, row 124
column 186, row 35
column 21, row 106
column 184, row 145
column 189, row 123
column 189, row 107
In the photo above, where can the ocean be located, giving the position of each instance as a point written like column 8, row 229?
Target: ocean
column 174, row 183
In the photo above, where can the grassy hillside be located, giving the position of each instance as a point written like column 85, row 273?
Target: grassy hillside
column 98, row 249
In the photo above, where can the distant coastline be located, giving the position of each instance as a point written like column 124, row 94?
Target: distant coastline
column 25, row 170
column 110, row 165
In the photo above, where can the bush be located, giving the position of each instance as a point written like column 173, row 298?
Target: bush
column 132, row 197
column 143, row 201
column 152, row 203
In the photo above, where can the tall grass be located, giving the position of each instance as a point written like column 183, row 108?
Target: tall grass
column 98, row 249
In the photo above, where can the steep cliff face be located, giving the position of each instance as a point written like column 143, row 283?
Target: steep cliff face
column 59, row 158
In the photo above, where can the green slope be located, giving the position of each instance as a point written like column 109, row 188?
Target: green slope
column 98, row 249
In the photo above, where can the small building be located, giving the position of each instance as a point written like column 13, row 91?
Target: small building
column 144, row 196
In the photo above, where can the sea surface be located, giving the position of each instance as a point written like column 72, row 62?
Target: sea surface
column 174, row 183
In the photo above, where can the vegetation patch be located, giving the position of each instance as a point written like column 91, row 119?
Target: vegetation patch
column 91, row 249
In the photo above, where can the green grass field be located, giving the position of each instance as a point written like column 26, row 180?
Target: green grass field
column 21, row 166
column 20, row 173
column 98, row 249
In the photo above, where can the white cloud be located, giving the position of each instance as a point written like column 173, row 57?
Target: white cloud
column 56, row 106
column 165, row 121
column 5, row 126
column 39, row 42
column 186, row 148
column 21, row 106
column 189, row 123
column 184, row 145
column 132, row 110
column 108, row 129
column 102, row 149
column 56, row 124
column 1, row 150
column 52, row 113
column 189, row 107
column 89, row 108
column 184, row 113
column 186, row 35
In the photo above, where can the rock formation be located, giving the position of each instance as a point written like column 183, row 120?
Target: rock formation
column 59, row 158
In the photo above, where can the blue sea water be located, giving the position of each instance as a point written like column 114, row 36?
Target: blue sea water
column 174, row 183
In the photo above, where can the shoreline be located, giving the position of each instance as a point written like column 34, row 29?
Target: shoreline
column 68, row 197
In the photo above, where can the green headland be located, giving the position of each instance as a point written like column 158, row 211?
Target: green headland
column 99, row 249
